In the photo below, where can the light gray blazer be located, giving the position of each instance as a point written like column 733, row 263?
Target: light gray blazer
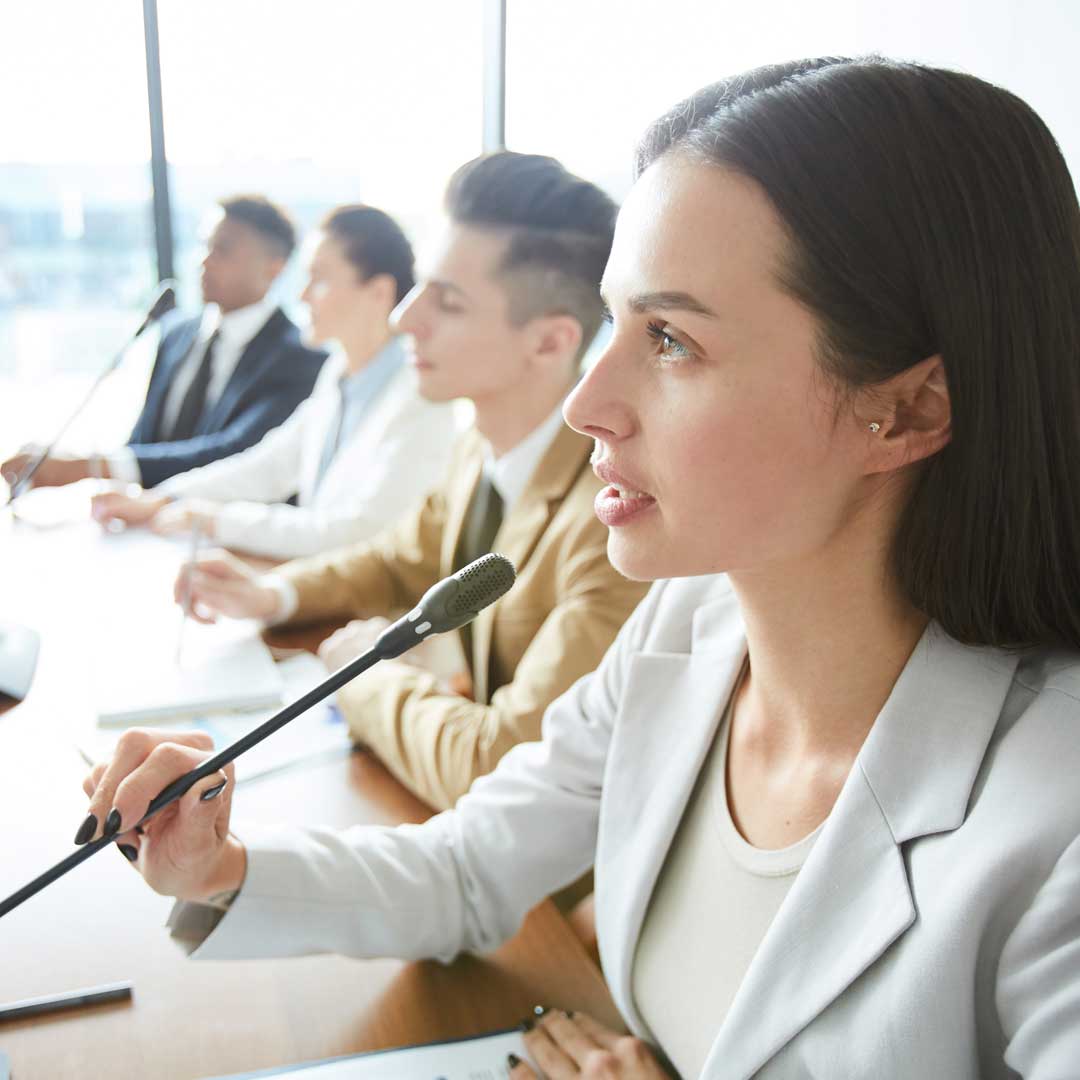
column 933, row 933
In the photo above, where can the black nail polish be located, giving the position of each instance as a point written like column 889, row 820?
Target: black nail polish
column 527, row 1024
column 86, row 829
column 112, row 823
column 513, row 1060
column 571, row 1015
column 214, row 792
column 130, row 853
column 139, row 830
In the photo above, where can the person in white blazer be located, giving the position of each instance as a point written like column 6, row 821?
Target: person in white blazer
column 357, row 454
column 827, row 772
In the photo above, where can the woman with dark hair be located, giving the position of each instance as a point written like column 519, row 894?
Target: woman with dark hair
column 357, row 454
column 828, row 771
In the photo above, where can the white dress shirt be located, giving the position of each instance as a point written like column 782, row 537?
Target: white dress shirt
column 393, row 456
column 235, row 330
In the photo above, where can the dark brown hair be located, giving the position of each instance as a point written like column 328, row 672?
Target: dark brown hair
column 268, row 219
column 560, row 229
column 930, row 212
column 374, row 243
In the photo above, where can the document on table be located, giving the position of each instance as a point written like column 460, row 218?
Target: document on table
column 224, row 667
column 480, row 1058
column 314, row 735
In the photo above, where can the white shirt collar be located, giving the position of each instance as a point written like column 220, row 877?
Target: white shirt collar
column 512, row 471
column 240, row 326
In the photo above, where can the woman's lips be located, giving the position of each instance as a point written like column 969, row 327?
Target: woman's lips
column 615, row 505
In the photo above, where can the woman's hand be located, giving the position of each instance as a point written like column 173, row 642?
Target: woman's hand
column 185, row 515
column 185, row 850
column 123, row 505
column 575, row 1045
column 221, row 584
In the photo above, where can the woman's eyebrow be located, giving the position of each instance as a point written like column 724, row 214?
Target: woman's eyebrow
column 669, row 301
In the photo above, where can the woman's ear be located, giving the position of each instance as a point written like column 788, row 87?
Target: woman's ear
column 912, row 416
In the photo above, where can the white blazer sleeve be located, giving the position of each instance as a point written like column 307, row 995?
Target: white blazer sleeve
column 409, row 462
column 266, row 471
column 1039, row 978
column 462, row 881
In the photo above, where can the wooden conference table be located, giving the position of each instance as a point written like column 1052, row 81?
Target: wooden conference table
column 78, row 587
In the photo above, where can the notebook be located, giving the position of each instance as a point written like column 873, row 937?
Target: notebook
column 482, row 1057
column 225, row 667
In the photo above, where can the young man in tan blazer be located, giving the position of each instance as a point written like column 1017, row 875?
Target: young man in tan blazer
column 503, row 319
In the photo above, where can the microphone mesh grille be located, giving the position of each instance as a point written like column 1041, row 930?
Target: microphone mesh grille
column 482, row 583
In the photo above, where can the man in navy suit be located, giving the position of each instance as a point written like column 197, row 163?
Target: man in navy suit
column 221, row 381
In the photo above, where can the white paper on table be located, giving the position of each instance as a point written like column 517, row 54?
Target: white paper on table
column 319, row 731
column 480, row 1058
column 222, row 667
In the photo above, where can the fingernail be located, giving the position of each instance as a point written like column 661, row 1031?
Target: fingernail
column 112, row 822
column 139, row 830
column 528, row 1024
column 86, row 829
column 539, row 1010
column 214, row 792
column 571, row 1014
column 130, row 853
column 513, row 1060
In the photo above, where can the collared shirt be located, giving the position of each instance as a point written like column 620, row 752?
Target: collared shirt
column 511, row 472
column 236, row 329
column 356, row 392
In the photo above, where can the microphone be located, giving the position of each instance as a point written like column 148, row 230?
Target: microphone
column 164, row 302
column 451, row 603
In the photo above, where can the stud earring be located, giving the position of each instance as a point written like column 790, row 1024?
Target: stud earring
column 875, row 427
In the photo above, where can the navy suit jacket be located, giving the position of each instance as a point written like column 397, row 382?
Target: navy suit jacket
column 274, row 374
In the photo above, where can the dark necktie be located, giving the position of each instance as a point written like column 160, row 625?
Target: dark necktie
column 481, row 524
column 191, row 408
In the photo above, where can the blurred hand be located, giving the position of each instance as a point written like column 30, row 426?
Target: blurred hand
column 131, row 506
column 185, row 515
column 55, row 471
column 185, row 850
column 220, row 584
column 350, row 641
column 575, row 1045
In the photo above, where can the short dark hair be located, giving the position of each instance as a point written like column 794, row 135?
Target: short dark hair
column 374, row 243
column 268, row 219
column 929, row 212
column 560, row 229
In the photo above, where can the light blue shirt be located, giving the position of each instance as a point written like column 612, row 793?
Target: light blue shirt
column 355, row 395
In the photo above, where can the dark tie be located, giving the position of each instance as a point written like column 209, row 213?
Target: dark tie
column 191, row 408
column 481, row 524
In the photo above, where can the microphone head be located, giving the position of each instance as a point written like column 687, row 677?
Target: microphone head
column 480, row 583
column 451, row 603
column 165, row 300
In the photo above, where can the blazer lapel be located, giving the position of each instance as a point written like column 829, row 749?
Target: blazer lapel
column 522, row 528
column 671, row 708
column 174, row 352
column 852, row 899
column 248, row 368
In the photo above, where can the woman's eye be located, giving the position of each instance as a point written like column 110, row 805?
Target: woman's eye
column 670, row 347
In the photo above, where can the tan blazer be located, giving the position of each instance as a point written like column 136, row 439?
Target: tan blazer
column 550, row 629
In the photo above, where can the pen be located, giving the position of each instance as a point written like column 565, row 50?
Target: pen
column 71, row 999
column 185, row 607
